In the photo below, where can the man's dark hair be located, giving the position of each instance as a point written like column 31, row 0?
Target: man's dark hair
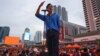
column 48, row 5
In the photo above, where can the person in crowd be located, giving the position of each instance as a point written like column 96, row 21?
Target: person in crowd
column 22, row 53
column 91, row 53
column 98, row 52
column 76, row 52
column 85, row 52
column 63, row 52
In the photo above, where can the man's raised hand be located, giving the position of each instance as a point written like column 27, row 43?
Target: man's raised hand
column 42, row 3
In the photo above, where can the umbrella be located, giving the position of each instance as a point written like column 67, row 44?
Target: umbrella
column 69, row 46
column 76, row 46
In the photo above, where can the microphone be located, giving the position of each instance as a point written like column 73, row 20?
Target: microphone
column 44, row 10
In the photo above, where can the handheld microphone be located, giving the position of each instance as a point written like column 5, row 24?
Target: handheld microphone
column 44, row 10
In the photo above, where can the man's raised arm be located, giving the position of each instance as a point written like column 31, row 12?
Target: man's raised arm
column 38, row 10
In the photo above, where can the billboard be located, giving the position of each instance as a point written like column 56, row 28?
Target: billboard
column 27, row 36
column 11, row 40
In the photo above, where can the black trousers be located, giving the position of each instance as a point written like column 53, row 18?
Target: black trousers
column 52, row 42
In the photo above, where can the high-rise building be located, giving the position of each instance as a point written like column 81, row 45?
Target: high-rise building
column 92, row 14
column 38, row 37
column 60, row 11
column 26, row 35
column 64, row 14
column 55, row 9
column 4, row 31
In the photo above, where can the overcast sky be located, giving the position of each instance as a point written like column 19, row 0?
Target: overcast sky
column 19, row 14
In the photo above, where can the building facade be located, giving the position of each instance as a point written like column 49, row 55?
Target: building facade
column 4, row 31
column 38, row 37
column 92, row 14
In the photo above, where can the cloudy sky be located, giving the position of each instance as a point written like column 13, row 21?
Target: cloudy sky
column 19, row 14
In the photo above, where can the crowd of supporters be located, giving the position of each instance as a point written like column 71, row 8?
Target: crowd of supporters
column 43, row 51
